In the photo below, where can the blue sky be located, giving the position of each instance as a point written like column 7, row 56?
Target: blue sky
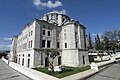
column 97, row 15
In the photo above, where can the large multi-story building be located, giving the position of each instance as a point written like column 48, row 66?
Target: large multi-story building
column 53, row 30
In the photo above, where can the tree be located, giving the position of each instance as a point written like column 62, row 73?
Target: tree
column 111, row 39
column 90, row 42
column 106, row 43
column 52, row 53
column 112, row 35
column 98, row 46
column 114, row 45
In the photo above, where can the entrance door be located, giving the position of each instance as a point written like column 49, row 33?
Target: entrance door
column 46, row 62
column 59, row 60
column 83, row 60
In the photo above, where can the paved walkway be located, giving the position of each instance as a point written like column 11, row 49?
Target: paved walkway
column 7, row 73
column 111, row 73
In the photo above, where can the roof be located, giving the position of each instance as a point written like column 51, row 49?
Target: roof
column 57, row 12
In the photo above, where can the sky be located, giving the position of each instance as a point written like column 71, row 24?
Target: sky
column 97, row 16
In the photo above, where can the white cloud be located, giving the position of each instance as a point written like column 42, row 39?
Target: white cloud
column 7, row 38
column 5, row 47
column 48, row 4
column 95, row 34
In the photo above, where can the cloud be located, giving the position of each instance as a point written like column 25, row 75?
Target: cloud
column 48, row 4
column 95, row 34
column 7, row 39
column 5, row 47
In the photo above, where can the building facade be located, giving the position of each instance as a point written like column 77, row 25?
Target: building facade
column 53, row 30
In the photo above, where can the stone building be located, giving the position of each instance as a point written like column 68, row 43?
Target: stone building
column 53, row 30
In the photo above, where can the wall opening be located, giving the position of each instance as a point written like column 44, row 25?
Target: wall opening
column 59, row 60
column 23, row 61
column 46, row 62
column 83, row 60
column 28, row 62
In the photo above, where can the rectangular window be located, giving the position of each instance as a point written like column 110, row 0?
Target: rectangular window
column 48, row 44
column 58, row 44
column 31, row 44
column 48, row 33
column 43, row 43
column 31, row 33
column 75, row 35
column 65, row 45
column 43, row 32
column 76, row 44
column 64, row 35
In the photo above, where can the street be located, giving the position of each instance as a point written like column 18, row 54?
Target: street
column 110, row 73
column 7, row 73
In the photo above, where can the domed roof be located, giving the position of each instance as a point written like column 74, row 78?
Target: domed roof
column 56, row 12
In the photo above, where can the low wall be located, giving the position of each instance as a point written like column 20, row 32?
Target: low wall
column 97, row 66
column 33, row 74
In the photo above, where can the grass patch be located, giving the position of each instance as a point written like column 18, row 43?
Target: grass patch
column 67, row 71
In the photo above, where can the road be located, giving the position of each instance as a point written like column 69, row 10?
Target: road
column 7, row 73
column 110, row 73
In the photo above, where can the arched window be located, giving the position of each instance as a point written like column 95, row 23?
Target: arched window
column 23, row 61
column 28, row 62
column 28, row 55
column 19, row 61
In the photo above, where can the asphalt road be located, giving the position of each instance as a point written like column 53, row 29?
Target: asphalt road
column 7, row 73
column 110, row 73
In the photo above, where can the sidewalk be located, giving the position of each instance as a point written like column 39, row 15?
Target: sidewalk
column 7, row 73
column 80, row 75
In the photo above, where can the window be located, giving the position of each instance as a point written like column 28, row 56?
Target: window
column 43, row 43
column 43, row 32
column 75, row 35
column 23, row 61
column 28, row 62
column 31, row 32
column 76, row 44
column 48, row 44
column 58, row 44
column 65, row 45
column 25, row 45
column 64, row 30
column 65, row 35
column 56, row 16
column 28, row 55
column 43, row 26
column 48, row 33
column 48, row 27
column 19, row 61
column 31, row 44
